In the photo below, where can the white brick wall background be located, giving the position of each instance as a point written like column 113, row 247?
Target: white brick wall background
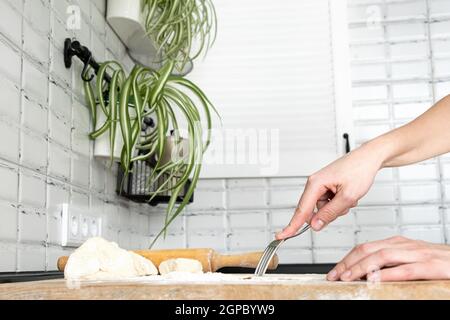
column 45, row 155
column 399, row 69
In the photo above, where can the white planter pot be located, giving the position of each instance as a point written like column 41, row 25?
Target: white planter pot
column 128, row 20
column 102, row 146
column 175, row 151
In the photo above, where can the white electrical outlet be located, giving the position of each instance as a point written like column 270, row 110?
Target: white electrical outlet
column 78, row 226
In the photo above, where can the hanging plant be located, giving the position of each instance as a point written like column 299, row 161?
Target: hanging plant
column 125, row 102
column 181, row 29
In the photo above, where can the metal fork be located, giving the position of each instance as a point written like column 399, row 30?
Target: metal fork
column 270, row 251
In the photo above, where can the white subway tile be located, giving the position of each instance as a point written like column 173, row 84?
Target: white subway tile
column 9, row 226
column 409, row 50
column 205, row 222
column 440, row 29
column 334, row 237
column 31, row 258
column 32, row 225
column 329, row 256
column 440, row 67
column 367, row 52
column 421, row 215
column 34, row 152
column 10, row 23
column 35, row 83
column 80, row 199
column 157, row 223
column 35, row 116
column 280, row 218
column 438, row 7
column 288, row 182
column 60, row 103
column 377, row 216
column 8, row 254
column 59, row 162
column 424, row 171
column 294, row 256
column 247, row 240
column 208, row 200
column 440, row 47
column 406, row 31
column 411, row 90
column 247, row 199
column 248, row 220
column 9, row 185
column 375, row 233
column 285, row 197
column 362, row 93
column 379, row 194
column 60, row 130
column 36, row 44
column 429, row 234
column 9, row 142
column 419, row 193
column 32, row 190
column 38, row 15
column 368, row 72
column 210, row 239
column 246, row 183
column 172, row 241
column 371, row 112
column 363, row 34
column 9, row 100
column 406, row 70
column 98, row 176
column 11, row 63
column 211, row 184
column 407, row 9
column 80, row 171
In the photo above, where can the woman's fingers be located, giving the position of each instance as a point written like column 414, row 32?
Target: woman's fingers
column 304, row 210
column 360, row 252
column 376, row 261
column 405, row 272
column 331, row 211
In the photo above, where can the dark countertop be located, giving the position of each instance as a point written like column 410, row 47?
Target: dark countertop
column 15, row 277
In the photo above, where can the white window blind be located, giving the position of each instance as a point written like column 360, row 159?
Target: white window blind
column 277, row 71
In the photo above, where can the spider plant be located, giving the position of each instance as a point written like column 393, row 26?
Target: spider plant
column 181, row 29
column 127, row 100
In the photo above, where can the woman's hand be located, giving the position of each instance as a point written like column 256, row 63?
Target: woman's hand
column 336, row 188
column 394, row 259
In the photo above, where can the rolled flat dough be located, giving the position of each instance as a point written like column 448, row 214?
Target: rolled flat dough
column 98, row 259
column 180, row 265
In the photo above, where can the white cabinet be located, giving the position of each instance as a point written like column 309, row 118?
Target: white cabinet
column 279, row 76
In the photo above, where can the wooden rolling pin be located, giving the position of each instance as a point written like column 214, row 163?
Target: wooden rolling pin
column 211, row 260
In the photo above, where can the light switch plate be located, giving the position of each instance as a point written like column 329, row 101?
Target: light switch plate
column 78, row 225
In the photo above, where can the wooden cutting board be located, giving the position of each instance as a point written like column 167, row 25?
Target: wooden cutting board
column 289, row 287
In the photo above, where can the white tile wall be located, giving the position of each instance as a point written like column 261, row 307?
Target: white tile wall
column 45, row 154
column 228, row 215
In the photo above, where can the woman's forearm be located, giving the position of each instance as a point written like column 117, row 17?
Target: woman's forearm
column 424, row 138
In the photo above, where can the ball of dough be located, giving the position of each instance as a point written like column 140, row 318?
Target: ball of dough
column 98, row 259
column 180, row 265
